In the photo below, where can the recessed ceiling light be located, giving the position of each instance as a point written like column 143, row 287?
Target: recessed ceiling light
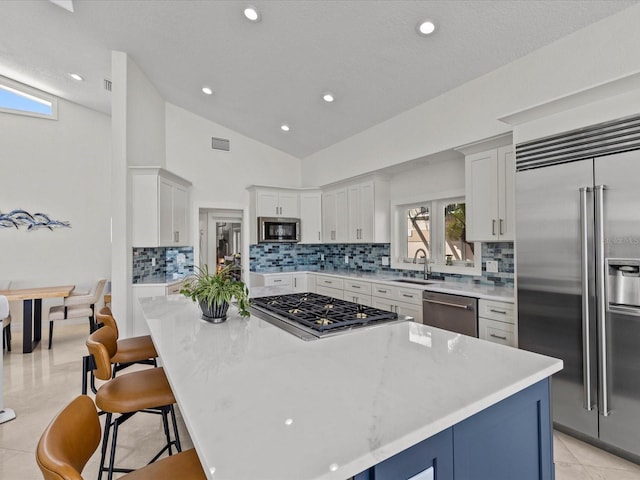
column 285, row 128
column 425, row 27
column 252, row 13
column 207, row 90
column 77, row 77
column 328, row 97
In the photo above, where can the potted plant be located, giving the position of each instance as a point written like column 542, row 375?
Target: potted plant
column 214, row 291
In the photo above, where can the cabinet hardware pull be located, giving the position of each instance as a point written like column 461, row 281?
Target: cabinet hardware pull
column 295, row 282
column 497, row 311
column 497, row 336
column 382, row 291
column 493, row 227
column 501, row 226
column 355, row 286
column 276, row 281
column 408, row 296
column 447, row 304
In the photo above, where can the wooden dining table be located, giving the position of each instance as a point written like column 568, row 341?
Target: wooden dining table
column 32, row 310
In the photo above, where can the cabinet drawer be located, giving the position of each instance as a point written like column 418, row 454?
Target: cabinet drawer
column 409, row 295
column 331, row 282
column 501, row 311
column 383, row 291
column 357, row 287
column 497, row 332
column 358, row 298
column 330, row 292
column 277, row 280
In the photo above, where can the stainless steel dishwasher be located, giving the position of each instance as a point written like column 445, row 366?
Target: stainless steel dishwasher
column 450, row 312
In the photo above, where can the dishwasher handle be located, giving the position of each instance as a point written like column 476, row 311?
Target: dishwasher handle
column 447, row 304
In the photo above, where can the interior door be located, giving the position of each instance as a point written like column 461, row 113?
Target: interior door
column 621, row 199
column 548, row 266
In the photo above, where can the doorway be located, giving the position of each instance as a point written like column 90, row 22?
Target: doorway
column 221, row 240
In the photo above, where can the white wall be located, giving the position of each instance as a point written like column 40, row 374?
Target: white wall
column 61, row 168
column 219, row 176
column 600, row 53
column 441, row 177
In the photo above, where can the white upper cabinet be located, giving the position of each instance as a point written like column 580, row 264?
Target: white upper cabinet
column 160, row 208
column 311, row 217
column 357, row 212
column 489, row 188
column 335, row 219
column 277, row 203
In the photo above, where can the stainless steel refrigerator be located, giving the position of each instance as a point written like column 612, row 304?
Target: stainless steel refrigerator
column 578, row 281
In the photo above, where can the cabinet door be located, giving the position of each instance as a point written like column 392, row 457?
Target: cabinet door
column 481, row 187
column 411, row 310
column 496, row 332
column 166, row 212
column 310, row 217
column 355, row 214
column 300, row 282
column 267, row 203
column 383, row 304
column 506, row 193
column 288, row 205
column 367, row 212
column 329, row 220
column 180, row 215
column 342, row 218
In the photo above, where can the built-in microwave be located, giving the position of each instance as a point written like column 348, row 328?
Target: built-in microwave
column 280, row 230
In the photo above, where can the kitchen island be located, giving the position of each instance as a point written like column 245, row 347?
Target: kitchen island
column 391, row 400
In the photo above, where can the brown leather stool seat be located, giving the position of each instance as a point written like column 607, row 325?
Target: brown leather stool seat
column 130, row 351
column 145, row 390
column 135, row 391
column 73, row 436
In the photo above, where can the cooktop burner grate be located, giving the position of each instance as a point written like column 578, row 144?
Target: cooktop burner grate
column 321, row 313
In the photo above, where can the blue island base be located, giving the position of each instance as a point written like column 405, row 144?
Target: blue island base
column 511, row 440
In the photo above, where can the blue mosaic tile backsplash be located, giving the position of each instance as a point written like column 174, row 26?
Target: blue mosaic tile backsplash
column 166, row 261
column 367, row 257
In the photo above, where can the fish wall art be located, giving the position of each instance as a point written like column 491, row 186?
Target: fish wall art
column 22, row 218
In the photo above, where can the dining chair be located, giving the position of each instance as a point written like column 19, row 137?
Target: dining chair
column 125, row 395
column 73, row 436
column 6, row 322
column 130, row 351
column 80, row 304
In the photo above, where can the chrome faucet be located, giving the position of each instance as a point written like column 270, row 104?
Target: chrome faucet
column 427, row 268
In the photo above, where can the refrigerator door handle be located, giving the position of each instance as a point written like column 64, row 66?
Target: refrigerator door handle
column 601, row 306
column 584, row 263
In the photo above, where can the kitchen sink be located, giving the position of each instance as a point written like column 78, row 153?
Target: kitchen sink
column 415, row 281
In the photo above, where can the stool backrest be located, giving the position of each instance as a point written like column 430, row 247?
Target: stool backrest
column 105, row 317
column 102, row 344
column 69, row 441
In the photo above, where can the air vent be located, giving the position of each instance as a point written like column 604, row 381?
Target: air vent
column 595, row 141
column 107, row 85
column 220, row 144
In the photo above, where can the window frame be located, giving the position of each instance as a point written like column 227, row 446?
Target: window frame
column 436, row 204
column 33, row 92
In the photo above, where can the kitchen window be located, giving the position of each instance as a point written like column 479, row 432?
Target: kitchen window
column 435, row 229
column 22, row 100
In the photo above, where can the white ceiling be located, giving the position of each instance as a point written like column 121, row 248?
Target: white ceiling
column 366, row 52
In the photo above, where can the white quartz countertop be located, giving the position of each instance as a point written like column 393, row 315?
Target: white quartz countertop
column 262, row 404
column 487, row 292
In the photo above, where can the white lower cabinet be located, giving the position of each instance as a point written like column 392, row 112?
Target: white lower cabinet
column 330, row 292
column 139, row 326
column 401, row 300
column 496, row 322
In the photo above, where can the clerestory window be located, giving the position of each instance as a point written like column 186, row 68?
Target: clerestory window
column 20, row 99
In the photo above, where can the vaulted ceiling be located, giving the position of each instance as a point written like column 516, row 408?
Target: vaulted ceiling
column 275, row 71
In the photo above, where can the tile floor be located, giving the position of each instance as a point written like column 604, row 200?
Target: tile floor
column 38, row 385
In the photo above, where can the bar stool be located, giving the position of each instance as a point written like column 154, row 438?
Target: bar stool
column 142, row 391
column 130, row 351
column 74, row 435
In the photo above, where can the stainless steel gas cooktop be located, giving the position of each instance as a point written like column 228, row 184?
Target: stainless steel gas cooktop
column 310, row 316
